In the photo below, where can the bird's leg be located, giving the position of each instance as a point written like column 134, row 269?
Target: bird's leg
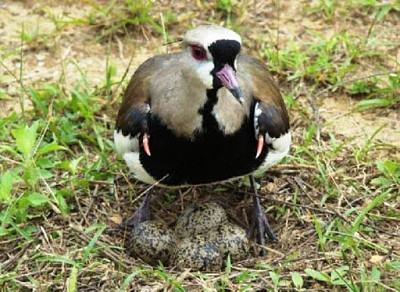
column 140, row 215
column 259, row 219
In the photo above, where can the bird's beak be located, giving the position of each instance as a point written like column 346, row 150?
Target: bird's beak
column 228, row 79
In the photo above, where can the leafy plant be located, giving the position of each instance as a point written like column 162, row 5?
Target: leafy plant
column 297, row 280
column 33, row 156
column 335, row 277
column 390, row 173
column 378, row 96
column 119, row 17
column 277, row 281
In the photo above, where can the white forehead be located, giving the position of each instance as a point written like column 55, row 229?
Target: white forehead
column 207, row 34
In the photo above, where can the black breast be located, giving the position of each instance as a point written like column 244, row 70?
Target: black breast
column 211, row 157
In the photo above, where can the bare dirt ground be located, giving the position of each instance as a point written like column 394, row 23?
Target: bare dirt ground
column 61, row 54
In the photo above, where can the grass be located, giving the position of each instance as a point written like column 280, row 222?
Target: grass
column 334, row 201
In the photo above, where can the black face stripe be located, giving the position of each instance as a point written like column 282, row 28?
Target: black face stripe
column 224, row 52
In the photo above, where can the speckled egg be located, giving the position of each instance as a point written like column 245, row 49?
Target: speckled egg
column 198, row 254
column 230, row 239
column 199, row 219
column 152, row 241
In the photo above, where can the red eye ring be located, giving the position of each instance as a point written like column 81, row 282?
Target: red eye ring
column 198, row 52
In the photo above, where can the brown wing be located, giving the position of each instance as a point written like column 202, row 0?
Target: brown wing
column 135, row 107
column 273, row 118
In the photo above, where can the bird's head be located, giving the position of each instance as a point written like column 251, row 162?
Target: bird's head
column 212, row 52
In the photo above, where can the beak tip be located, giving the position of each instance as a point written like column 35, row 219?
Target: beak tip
column 237, row 93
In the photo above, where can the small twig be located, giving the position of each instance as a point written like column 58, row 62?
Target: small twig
column 21, row 99
column 101, row 182
column 321, row 210
column 178, row 40
column 337, row 85
column 46, row 238
column 10, row 160
column 120, row 48
column 300, row 184
column 182, row 195
column 113, row 98
column 271, row 250
column 149, row 189
column 315, row 109
column 295, row 166
column 80, row 210
column 92, row 200
column 15, row 77
column 164, row 32
column 367, row 77
column 365, row 177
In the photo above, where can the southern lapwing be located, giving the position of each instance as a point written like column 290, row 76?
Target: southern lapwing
column 207, row 114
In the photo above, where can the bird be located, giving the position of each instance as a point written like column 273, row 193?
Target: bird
column 206, row 114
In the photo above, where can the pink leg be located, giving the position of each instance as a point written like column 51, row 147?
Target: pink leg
column 146, row 143
column 260, row 145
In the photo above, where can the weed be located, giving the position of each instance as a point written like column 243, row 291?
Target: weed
column 119, row 17
column 386, row 95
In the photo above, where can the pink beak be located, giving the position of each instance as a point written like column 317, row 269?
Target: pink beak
column 228, row 79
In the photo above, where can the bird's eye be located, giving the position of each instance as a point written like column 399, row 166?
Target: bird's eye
column 198, row 53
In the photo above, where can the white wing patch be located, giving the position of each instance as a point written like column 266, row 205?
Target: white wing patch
column 257, row 113
column 128, row 148
column 136, row 167
column 280, row 148
column 125, row 144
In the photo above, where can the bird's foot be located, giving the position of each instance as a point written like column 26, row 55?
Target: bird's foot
column 259, row 221
column 264, row 230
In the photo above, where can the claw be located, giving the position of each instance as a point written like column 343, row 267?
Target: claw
column 146, row 144
column 260, row 145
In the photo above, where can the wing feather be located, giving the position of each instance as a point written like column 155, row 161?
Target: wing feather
column 271, row 116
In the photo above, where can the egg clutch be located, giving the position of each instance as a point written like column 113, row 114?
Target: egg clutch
column 202, row 239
